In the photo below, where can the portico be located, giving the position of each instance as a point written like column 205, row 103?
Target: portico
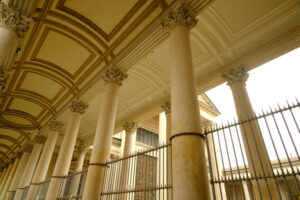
column 124, row 76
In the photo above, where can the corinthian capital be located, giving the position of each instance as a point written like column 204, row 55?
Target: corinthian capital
column 238, row 74
column 3, row 78
column 129, row 126
column 180, row 16
column 13, row 20
column 39, row 139
column 78, row 106
column 166, row 107
column 55, row 126
column 27, row 148
column 115, row 75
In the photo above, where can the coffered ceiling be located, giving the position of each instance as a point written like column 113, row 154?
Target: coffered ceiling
column 70, row 43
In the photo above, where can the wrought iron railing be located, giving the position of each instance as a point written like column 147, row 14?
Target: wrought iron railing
column 142, row 175
column 257, row 157
column 254, row 158
column 71, row 186
column 24, row 193
column 42, row 190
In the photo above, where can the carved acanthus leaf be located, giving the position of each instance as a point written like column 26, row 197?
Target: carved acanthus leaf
column 238, row 74
column 78, row 106
column 166, row 107
column 3, row 78
column 39, row 139
column 115, row 75
column 129, row 126
column 28, row 148
column 55, row 126
column 180, row 16
column 13, row 20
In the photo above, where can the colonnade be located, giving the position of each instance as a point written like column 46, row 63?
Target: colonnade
column 189, row 169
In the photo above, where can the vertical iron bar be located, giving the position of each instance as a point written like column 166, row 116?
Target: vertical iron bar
column 280, row 136
column 237, row 164
column 230, row 167
column 210, row 170
column 251, row 159
column 226, row 186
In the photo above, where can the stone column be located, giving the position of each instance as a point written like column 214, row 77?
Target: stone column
column 190, row 178
column 30, row 166
column 246, row 190
column 103, row 135
column 10, row 177
column 66, row 150
column 9, row 168
column 167, row 110
column 43, row 165
column 79, row 165
column 13, row 26
column 3, row 174
column 19, row 172
column 130, row 139
column 257, row 156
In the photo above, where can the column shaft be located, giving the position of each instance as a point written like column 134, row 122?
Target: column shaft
column 103, row 136
column 129, row 142
column 10, row 177
column 130, row 139
column 43, row 165
column 65, row 155
column 2, row 175
column 76, row 178
column 190, row 180
column 29, row 170
column 18, row 175
column 256, row 152
column 5, row 177
column 8, row 41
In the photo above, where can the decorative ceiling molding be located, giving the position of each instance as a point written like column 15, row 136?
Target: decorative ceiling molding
column 107, row 36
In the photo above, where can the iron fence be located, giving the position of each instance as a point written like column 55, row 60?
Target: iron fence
column 142, row 175
column 72, row 185
column 24, row 193
column 42, row 190
column 256, row 157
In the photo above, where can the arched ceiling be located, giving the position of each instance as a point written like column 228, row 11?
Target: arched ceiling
column 70, row 42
